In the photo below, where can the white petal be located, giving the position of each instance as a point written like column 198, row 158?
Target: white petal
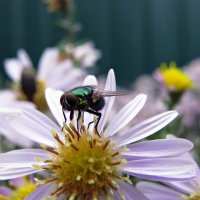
column 7, row 96
column 34, row 125
column 86, row 54
column 8, row 99
column 61, row 76
column 161, row 169
column 130, row 192
column 41, row 192
column 22, row 158
column 13, row 68
column 21, row 104
column 6, row 110
column 53, row 101
column 11, row 173
column 11, row 134
column 47, row 62
column 14, row 136
column 125, row 115
column 158, row 148
column 40, row 118
column 158, row 192
column 74, row 79
column 90, row 80
column 110, row 86
column 24, row 58
column 188, row 187
column 146, row 128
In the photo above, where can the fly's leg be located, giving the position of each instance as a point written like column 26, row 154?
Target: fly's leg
column 64, row 119
column 78, row 118
column 90, row 124
column 98, row 114
column 64, row 116
column 99, row 117
column 71, row 115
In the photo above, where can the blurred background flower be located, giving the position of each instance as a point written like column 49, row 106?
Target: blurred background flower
column 17, row 189
column 52, row 72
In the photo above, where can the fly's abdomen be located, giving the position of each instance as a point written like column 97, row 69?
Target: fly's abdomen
column 98, row 105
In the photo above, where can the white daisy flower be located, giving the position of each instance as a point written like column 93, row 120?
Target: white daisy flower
column 51, row 73
column 86, row 165
column 85, row 55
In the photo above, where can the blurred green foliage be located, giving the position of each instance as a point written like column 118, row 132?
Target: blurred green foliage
column 135, row 36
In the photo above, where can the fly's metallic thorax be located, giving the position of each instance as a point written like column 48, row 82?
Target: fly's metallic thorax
column 87, row 98
column 28, row 83
column 86, row 91
column 84, row 95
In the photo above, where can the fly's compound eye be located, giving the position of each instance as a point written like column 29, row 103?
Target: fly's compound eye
column 68, row 101
column 62, row 98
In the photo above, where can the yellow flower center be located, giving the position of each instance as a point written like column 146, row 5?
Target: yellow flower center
column 84, row 165
column 21, row 192
column 38, row 97
column 174, row 78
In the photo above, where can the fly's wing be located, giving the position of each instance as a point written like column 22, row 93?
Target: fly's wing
column 104, row 93
column 100, row 93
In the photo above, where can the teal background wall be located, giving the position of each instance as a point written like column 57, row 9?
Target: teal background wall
column 135, row 36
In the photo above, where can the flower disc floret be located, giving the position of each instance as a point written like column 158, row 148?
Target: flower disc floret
column 84, row 165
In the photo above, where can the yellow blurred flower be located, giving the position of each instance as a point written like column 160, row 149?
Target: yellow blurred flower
column 19, row 189
column 173, row 78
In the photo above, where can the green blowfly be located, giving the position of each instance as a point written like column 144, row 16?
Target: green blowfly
column 85, row 99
